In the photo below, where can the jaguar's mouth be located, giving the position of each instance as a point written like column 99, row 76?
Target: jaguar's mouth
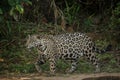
column 42, row 48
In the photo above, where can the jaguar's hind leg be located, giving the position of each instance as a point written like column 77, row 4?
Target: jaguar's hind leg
column 73, row 66
column 94, row 61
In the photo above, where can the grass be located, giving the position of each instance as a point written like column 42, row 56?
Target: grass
column 17, row 59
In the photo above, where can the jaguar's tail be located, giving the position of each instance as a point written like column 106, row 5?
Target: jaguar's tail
column 97, row 50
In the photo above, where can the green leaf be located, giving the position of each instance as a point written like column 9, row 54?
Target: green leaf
column 1, row 19
column 12, row 2
column 1, row 12
column 12, row 11
column 27, row 2
column 20, row 9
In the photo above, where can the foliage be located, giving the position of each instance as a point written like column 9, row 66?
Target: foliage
column 13, row 7
column 18, row 59
column 1, row 12
column 115, row 18
column 71, row 12
column 39, row 18
column 114, row 24
column 10, row 8
column 88, row 24
column 107, row 61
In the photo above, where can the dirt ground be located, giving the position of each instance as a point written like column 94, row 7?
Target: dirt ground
column 36, row 76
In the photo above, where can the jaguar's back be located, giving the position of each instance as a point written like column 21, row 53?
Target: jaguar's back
column 73, row 43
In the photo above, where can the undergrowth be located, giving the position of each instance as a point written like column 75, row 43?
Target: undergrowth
column 17, row 59
column 76, row 16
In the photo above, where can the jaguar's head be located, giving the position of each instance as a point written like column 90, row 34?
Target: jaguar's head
column 36, row 41
column 40, row 42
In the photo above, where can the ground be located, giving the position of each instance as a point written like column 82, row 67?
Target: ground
column 36, row 76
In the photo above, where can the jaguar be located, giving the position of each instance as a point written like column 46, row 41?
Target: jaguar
column 68, row 47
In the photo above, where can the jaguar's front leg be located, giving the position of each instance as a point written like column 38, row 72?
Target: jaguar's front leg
column 40, row 61
column 52, row 65
column 38, row 67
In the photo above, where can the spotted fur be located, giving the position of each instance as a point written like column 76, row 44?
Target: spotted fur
column 68, row 46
